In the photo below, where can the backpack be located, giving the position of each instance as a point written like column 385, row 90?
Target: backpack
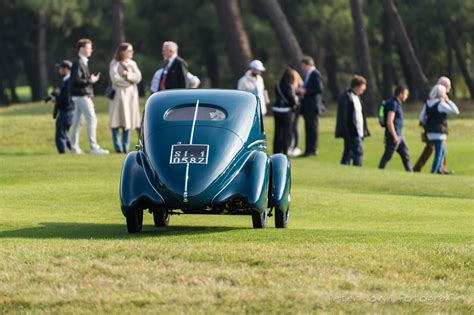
column 382, row 118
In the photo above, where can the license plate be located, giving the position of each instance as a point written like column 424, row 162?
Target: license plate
column 189, row 153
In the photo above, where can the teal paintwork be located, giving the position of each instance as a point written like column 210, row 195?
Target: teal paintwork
column 240, row 177
column 281, row 182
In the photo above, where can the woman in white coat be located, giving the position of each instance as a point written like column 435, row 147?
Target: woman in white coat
column 124, row 107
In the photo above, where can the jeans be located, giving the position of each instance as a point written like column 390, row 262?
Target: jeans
column 83, row 105
column 63, row 123
column 440, row 152
column 401, row 148
column 353, row 150
column 424, row 157
column 123, row 145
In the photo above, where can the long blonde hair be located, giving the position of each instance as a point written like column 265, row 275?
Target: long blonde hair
column 297, row 80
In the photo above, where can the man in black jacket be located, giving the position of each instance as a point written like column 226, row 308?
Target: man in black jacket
column 351, row 124
column 64, row 108
column 311, row 104
column 80, row 87
column 175, row 68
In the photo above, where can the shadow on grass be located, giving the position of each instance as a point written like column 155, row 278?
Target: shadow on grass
column 18, row 154
column 71, row 230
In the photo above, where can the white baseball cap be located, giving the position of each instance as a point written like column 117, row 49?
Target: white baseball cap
column 257, row 65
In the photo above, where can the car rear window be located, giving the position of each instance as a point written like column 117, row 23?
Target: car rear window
column 205, row 112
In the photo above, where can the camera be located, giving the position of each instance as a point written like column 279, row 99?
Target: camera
column 50, row 97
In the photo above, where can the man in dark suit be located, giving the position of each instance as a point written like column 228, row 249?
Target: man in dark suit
column 311, row 104
column 175, row 68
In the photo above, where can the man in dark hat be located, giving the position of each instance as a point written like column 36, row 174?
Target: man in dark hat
column 64, row 108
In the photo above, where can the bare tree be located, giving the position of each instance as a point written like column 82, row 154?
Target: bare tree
column 118, row 29
column 420, row 82
column 288, row 41
column 387, row 65
column 363, row 58
column 235, row 37
column 449, row 59
column 460, row 60
column 3, row 96
column 330, row 64
column 42, row 55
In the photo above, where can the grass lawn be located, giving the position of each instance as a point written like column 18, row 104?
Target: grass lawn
column 360, row 239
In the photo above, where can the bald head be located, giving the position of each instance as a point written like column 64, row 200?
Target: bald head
column 446, row 82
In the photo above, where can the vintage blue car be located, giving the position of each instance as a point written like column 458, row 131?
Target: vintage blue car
column 204, row 152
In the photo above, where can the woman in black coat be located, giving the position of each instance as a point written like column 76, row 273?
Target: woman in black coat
column 283, row 111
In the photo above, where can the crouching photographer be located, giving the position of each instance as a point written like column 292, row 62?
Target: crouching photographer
column 63, row 108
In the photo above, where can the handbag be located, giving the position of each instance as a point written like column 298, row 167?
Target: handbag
column 109, row 92
column 424, row 137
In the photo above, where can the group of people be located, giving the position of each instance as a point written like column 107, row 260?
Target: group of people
column 352, row 126
column 74, row 101
column 295, row 96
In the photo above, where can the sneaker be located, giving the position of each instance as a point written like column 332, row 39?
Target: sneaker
column 77, row 151
column 99, row 151
column 295, row 152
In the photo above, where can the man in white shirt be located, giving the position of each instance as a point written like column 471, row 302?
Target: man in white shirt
column 192, row 81
column 351, row 124
column 252, row 82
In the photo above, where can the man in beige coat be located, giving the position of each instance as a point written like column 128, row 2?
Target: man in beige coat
column 124, row 107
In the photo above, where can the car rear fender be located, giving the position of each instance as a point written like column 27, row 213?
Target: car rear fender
column 280, row 182
column 135, row 187
column 250, row 184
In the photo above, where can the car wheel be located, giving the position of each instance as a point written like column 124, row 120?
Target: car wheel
column 282, row 218
column 135, row 220
column 161, row 217
column 259, row 219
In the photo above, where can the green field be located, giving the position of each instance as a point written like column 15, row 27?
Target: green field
column 360, row 239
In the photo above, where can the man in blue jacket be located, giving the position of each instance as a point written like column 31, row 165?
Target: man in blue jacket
column 394, row 140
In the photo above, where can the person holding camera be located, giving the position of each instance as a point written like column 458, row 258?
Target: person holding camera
column 80, row 87
column 124, row 105
column 63, row 108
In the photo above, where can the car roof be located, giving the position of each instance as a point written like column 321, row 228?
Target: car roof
column 240, row 108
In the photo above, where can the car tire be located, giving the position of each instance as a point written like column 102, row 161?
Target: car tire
column 135, row 220
column 282, row 218
column 161, row 217
column 259, row 219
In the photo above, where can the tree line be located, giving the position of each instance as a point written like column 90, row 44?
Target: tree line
column 389, row 42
